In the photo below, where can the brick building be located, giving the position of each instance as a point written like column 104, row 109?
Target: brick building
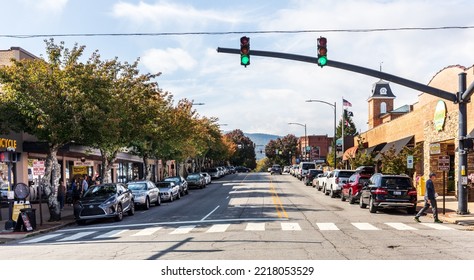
column 416, row 123
column 318, row 147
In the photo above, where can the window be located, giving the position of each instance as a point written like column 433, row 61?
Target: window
column 383, row 108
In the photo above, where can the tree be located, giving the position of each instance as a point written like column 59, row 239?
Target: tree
column 286, row 148
column 245, row 153
column 393, row 163
column 43, row 97
column 361, row 158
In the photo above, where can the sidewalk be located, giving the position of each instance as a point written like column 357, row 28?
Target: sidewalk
column 450, row 216
column 67, row 217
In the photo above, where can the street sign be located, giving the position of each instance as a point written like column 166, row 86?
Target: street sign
column 443, row 163
column 409, row 162
column 38, row 168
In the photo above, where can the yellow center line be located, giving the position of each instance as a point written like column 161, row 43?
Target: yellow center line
column 277, row 202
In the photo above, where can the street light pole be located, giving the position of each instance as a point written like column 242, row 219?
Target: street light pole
column 305, row 136
column 335, row 127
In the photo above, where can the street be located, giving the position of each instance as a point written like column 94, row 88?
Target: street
column 252, row 216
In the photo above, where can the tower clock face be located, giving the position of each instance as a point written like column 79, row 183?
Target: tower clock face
column 383, row 90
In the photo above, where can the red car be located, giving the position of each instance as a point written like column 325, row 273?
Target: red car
column 351, row 189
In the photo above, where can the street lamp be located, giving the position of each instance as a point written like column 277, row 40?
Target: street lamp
column 334, row 140
column 305, row 136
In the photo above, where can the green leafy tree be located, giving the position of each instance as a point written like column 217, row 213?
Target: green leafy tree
column 361, row 158
column 281, row 150
column 393, row 163
column 245, row 153
column 42, row 97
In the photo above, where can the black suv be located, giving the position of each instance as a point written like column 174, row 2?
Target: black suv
column 389, row 191
column 276, row 169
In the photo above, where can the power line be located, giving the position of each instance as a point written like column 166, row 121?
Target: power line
column 363, row 30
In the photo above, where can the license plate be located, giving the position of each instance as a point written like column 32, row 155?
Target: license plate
column 397, row 193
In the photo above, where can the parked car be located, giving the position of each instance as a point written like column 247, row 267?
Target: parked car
column 352, row 189
column 335, row 180
column 109, row 200
column 145, row 193
column 286, row 169
column 207, row 177
column 213, row 172
column 303, row 169
column 181, row 182
column 169, row 191
column 312, row 173
column 196, row 180
column 389, row 191
column 242, row 169
column 320, row 180
column 275, row 169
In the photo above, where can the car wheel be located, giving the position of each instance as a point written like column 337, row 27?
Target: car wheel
column 187, row 191
column 119, row 215
column 171, row 197
column 147, row 203
column 361, row 203
column 351, row 198
column 332, row 193
column 343, row 198
column 158, row 201
column 372, row 207
column 178, row 196
column 411, row 210
column 131, row 211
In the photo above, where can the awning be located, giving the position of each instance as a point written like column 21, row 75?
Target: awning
column 349, row 153
column 397, row 145
column 375, row 149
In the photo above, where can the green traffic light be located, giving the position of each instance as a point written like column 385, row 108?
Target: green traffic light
column 322, row 60
column 244, row 60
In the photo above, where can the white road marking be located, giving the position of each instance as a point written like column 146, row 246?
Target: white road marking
column 437, row 226
column 147, row 231
column 218, row 228
column 365, row 226
column 255, row 227
column 40, row 239
column 290, row 226
column 400, row 226
column 327, row 226
column 210, row 213
column 183, row 230
column 110, row 234
column 77, row 236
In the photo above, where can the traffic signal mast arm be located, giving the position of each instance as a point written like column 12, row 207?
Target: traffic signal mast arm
column 353, row 68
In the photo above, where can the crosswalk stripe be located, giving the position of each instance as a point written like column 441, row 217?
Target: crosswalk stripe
column 437, row 226
column 183, row 230
column 147, row 231
column 77, row 236
column 110, row 234
column 365, row 226
column 327, row 226
column 290, row 226
column 218, row 228
column 401, row 226
column 40, row 239
column 255, row 227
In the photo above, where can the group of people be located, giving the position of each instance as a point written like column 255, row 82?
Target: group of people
column 79, row 186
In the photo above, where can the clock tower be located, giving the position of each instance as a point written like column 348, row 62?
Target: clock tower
column 380, row 103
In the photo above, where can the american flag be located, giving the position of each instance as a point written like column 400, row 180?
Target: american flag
column 346, row 103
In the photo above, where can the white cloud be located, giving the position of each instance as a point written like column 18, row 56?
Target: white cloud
column 167, row 60
column 49, row 6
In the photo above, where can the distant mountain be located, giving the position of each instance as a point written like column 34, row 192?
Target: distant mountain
column 261, row 140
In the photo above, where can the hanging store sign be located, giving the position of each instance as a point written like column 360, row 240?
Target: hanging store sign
column 79, row 170
column 83, row 163
column 435, row 149
column 440, row 115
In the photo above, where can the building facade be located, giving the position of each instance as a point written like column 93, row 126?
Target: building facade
column 431, row 122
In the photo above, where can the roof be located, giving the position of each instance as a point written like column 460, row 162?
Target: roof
column 397, row 145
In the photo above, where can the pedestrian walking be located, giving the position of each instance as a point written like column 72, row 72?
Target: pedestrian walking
column 85, row 184
column 61, row 193
column 76, row 191
column 430, row 200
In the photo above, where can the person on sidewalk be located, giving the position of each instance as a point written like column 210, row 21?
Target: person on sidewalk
column 430, row 200
column 61, row 193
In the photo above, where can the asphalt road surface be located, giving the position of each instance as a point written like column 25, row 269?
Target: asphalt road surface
column 251, row 216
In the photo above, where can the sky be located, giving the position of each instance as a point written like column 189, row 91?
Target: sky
column 270, row 93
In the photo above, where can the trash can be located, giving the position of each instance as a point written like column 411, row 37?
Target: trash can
column 420, row 187
column 27, row 219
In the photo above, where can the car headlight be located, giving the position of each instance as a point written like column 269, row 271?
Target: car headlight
column 108, row 202
column 139, row 194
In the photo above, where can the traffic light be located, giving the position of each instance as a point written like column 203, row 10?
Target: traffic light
column 322, row 51
column 245, row 51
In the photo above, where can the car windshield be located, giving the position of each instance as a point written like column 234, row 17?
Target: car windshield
column 345, row 174
column 172, row 179
column 101, row 190
column 402, row 183
column 137, row 186
column 193, row 176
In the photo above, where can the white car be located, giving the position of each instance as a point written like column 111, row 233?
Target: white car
column 207, row 177
column 335, row 181
column 145, row 193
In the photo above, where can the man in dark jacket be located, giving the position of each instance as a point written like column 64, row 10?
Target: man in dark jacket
column 430, row 200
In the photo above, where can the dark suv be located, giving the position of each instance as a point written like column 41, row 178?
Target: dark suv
column 389, row 191
column 312, row 173
column 276, row 169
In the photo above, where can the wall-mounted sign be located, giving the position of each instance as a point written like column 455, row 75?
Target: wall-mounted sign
column 440, row 115
column 79, row 170
column 435, row 149
column 8, row 144
column 83, row 163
